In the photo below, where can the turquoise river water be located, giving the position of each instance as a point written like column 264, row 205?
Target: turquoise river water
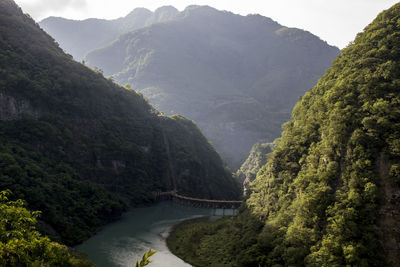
column 119, row 244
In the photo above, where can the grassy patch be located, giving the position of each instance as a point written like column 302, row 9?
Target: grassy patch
column 202, row 242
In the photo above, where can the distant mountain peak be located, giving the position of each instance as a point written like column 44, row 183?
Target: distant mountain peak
column 219, row 69
column 163, row 14
column 166, row 8
column 200, row 8
column 80, row 37
column 190, row 7
column 139, row 11
column 258, row 17
column 49, row 107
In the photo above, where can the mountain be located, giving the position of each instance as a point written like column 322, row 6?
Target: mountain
column 78, row 37
column 329, row 194
column 82, row 149
column 257, row 159
column 236, row 76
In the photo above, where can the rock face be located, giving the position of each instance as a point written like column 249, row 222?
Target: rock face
column 237, row 77
column 389, row 212
column 257, row 159
column 11, row 109
column 82, row 149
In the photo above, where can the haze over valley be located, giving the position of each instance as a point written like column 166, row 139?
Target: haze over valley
column 215, row 138
column 237, row 77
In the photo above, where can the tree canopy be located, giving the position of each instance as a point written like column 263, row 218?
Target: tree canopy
column 82, row 149
column 328, row 195
column 22, row 245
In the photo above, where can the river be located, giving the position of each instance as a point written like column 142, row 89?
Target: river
column 119, row 244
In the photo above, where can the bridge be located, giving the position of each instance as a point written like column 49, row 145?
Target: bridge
column 194, row 202
column 198, row 202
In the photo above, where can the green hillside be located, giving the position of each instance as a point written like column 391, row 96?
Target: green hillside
column 256, row 160
column 82, row 149
column 78, row 37
column 329, row 194
column 22, row 245
column 237, row 77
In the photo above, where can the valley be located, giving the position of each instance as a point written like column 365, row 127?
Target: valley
column 122, row 242
column 120, row 135
column 237, row 77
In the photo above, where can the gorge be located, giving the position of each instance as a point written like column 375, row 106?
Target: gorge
column 237, row 77
column 89, row 154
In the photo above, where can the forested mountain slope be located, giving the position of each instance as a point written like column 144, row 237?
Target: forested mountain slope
column 82, row 149
column 256, row 160
column 329, row 195
column 238, row 77
column 78, row 37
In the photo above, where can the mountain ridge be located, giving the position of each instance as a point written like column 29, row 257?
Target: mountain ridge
column 94, row 33
column 329, row 193
column 236, row 76
column 82, row 149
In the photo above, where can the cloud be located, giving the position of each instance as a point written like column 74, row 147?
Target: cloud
column 39, row 9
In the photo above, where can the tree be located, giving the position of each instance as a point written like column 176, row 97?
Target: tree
column 22, row 245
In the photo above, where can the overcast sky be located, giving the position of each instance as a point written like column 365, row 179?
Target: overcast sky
column 335, row 21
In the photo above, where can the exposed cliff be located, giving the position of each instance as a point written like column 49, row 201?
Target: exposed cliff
column 11, row 108
column 257, row 159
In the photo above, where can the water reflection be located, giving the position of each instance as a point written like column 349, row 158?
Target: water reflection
column 120, row 243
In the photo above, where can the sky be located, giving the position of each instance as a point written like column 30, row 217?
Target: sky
column 335, row 21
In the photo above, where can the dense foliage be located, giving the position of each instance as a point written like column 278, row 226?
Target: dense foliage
column 225, row 242
column 82, row 149
column 329, row 195
column 22, row 245
column 237, row 77
column 256, row 160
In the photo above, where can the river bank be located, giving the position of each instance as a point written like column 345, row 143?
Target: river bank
column 190, row 240
column 119, row 244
